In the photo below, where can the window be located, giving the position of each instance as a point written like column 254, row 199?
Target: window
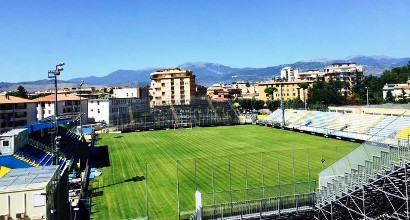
column 6, row 143
column 98, row 102
column 92, row 109
column 98, row 110
column 39, row 200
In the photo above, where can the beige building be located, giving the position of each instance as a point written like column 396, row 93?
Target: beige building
column 172, row 86
column 347, row 72
column 384, row 109
column 16, row 112
column 397, row 91
column 130, row 93
column 310, row 75
column 289, row 90
column 66, row 104
column 33, row 193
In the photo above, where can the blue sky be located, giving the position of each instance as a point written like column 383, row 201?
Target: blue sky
column 97, row 37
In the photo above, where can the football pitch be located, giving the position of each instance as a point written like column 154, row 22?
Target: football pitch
column 229, row 163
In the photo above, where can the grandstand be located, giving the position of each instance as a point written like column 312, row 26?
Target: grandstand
column 200, row 112
column 30, row 149
column 370, row 182
column 354, row 126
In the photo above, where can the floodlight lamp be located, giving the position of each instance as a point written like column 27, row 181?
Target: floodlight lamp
column 60, row 68
column 61, row 63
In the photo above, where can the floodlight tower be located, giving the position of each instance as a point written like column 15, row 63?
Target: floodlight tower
column 367, row 99
column 52, row 74
column 81, row 110
column 281, row 104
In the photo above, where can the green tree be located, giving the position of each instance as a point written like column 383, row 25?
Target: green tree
column 402, row 99
column 257, row 104
column 325, row 93
column 270, row 91
column 272, row 104
column 389, row 97
column 21, row 92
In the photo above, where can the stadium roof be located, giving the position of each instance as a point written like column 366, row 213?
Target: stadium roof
column 13, row 132
column 8, row 99
column 60, row 97
column 386, row 105
column 27, row 178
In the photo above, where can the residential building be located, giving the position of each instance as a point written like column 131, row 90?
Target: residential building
column 289, row 73
column 130, row 93
column 223, row 92
column 347, row 72
column 16, row 112
column 172, row 86
column 116, row 110
column 248, row 90
column 66, row 104
column 397, row 90
column 310, row 75
column 288, row 90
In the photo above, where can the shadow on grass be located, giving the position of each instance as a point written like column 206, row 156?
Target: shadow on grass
column 132, row 179
column 101, row 157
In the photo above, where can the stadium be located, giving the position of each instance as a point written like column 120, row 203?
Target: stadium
column 201, row 161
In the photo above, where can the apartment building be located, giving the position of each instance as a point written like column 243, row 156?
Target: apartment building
column 16, row 112
column 397, row 90
column 116, row 110
column 131, row 93
column 223, row 92
column 310, row 75
column 288, row 90
column 289, row 73
column 172, row 86
column 66, row 104
column 348, row 72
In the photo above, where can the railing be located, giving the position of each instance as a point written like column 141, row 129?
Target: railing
column 373, row 160
column 258, row 208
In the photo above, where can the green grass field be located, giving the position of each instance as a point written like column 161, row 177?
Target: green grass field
column 231, row 157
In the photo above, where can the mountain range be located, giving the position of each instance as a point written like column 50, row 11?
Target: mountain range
column 209, row 73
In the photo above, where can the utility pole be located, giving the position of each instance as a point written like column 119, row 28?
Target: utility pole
column 367, row 99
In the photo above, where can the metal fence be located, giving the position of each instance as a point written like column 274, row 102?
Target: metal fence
column 258, row 208
column 200, row 112
column 249, row 177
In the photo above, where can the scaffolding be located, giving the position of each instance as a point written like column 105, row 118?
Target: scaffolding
column 374, row 188
column 200, row 112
